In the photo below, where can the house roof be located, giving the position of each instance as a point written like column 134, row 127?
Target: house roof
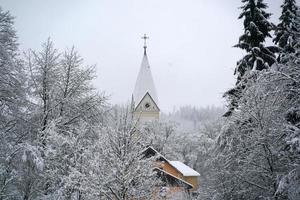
column 180, row 181
column 150, row 151
column 184, row 169
column 179, row 166
column 144, row 83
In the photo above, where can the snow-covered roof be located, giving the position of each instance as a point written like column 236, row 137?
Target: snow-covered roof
column 144, row 83
column 184, row 169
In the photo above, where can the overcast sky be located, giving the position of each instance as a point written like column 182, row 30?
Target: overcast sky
column 190, row 47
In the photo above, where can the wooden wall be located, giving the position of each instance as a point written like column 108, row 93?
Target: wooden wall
column 193, row 180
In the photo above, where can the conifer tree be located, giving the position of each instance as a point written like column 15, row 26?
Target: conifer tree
column 286, row 32
column 256, row 29
column 259, row 57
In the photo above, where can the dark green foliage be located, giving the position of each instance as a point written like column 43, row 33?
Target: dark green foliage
column 259, row 57
column 256, row 24
column 259, row 148
column 256, row 29
column 286, row 30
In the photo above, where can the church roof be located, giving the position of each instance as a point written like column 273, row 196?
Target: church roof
column 144, row 83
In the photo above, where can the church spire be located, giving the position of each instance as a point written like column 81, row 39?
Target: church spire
column 144, row 83
column 145, row 37
column 144, row 97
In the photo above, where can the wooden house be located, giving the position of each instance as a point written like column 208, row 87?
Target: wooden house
column 177, row 178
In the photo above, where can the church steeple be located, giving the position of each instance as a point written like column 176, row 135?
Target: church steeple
column 144, row 98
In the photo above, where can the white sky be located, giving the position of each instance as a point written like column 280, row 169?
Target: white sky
column 190, row 47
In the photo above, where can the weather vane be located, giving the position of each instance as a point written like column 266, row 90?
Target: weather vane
column 145, row 37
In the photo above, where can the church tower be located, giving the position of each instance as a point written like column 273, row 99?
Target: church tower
column 144, row 98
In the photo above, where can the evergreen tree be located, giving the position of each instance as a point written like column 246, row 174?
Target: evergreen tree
column 286, row 31
column 258, row 152
column 259, row 57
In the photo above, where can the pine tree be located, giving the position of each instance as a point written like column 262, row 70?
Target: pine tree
column 257, row 29
column 259, row 148
column 259, row 57
column 286, row 31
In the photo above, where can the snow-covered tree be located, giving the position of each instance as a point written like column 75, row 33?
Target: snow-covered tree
column 68, row 160
column 50, row 117
column 121, row 170
column 258, row 151
column 258, row 57
column 256, row 29
column 64, row 108
column 78, row 113
column 159, row 134
column 13, row 131
column 77, row 98
column 289, row 77
column 44, row 71
column 286, row 32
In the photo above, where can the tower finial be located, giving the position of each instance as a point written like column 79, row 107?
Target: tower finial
column 145, row 37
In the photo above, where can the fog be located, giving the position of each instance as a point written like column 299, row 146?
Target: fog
column 190, row 46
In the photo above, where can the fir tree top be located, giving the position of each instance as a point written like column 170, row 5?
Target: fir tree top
column 256, row 29
column 285, row 33
column 258, row 57
column 256, row 24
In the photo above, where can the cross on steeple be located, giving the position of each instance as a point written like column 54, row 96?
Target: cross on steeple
column 145, row 37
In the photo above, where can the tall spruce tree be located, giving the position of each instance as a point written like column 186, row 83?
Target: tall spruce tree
column 259, row 57
column 286, row 33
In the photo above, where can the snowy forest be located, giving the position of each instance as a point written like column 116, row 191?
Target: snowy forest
column 61, row 138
